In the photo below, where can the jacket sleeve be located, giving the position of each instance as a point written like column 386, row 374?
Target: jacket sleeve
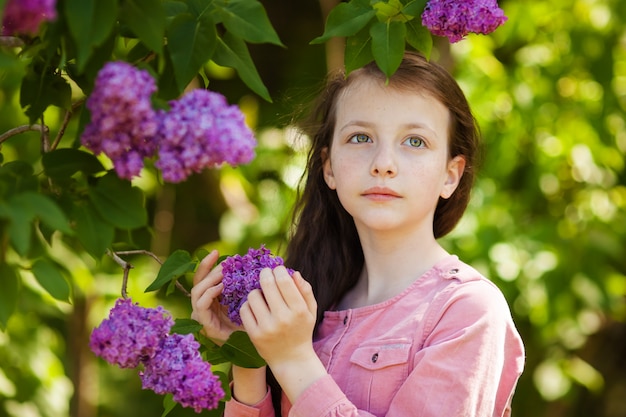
column 469, row 364
column 264, row 408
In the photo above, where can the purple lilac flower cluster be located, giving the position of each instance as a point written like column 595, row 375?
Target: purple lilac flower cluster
column 131, row 334
column 241, row 275
column 178, row 369
column 456, row 18
column 123, row 123
column 172, row 364
column 25, row 16
column 201, row 131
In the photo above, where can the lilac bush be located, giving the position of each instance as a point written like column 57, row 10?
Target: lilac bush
column 202, row 131
column 456, row 18
column 241, row 275
column 26, row 16
column 133, row 335
column 123, row 123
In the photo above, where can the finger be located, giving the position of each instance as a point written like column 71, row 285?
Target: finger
column 271, row 292
column 307, row 292
column 205, row 266
column 258, row 306
column 206, row 299
column 288, row 289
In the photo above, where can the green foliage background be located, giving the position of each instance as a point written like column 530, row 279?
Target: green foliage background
column 547, row 221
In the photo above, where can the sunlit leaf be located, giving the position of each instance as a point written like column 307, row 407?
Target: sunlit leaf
column 388, row 45
column 42, row 207
column 239, row 350
column 118, row 202
column 233, row 52
column 51, row 279
column 346, row 19
column 93, row 232
column 177, row 264
column 191, row 42
column 248, row 20
column 419, row 37
column 146, row 18
column 90, row 22
column 186, row 326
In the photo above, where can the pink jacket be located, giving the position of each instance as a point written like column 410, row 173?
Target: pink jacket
column 446, row 346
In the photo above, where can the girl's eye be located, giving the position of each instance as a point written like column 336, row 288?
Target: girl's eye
column 415, row 142
column 360, row 138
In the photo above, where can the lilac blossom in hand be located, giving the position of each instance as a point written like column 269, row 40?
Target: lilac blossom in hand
column 456, row 18
column 123, row 123
column 25, row 16
column 241, row 275
column 202, row 131
column 131, row 334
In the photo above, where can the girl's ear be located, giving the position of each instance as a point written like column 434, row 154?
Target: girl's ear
column 456, row 167
column 329, row 177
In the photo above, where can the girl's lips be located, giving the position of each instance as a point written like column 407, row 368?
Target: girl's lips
column 380, row 193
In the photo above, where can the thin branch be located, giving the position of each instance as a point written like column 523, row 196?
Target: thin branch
column 127, row 266
column 21, row 129
column 66, row 120
column 11, row 41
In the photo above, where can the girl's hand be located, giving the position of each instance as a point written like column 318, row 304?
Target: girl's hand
column 207, row 287
column 280, row 322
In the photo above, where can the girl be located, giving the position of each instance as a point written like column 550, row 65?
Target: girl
column 387, row 323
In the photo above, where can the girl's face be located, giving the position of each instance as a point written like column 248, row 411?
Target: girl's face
column 388, row 160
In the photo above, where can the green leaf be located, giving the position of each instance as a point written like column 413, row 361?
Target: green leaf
column 358, row 50
column 177, row 264
column 414, row 8
column 146, row 19
column 65, row 162
column 419, row 37
column 248, row 20
column 346, row 19
column 168, row 404
column 388, row 45
column 19, row 228
column 92, row 231
column 90, row 23
column 118, row 202
column 186, row 326
column 225, row 382
column 9, row 294
column 191, row 43
column 39, row 90
column 41, row 206
column 49, row 277
column 233, row 52
column 239, row 350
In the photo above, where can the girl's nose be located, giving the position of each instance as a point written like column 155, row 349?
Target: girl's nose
column 384, row 162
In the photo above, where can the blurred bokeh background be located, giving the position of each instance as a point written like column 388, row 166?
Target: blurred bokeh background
column 547, row 221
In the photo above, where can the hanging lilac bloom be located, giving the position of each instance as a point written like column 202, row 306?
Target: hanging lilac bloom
column 131, row 334
column 25, row 16
column 123, row 123
column 456, row 18
column 202, row 131
column 178, row 369
column 241, row 275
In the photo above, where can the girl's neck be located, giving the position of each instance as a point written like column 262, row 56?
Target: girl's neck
column 391, row 266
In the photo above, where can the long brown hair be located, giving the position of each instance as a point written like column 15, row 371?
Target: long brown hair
column 325, row 246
